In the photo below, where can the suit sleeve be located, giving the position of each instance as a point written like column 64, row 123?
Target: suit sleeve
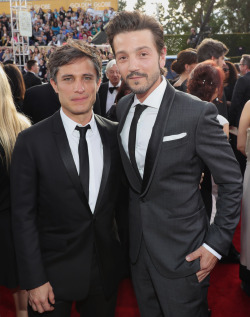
column 213, row 148
column 24, row 183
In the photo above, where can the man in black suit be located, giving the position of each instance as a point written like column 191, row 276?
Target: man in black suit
column 241, row 95
column 66, row 184
column 108, row 90
column 165, row 138
column 30, row 78
column 41, row 102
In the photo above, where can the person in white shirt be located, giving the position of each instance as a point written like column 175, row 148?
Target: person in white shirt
column 165, row 138
column 70, row 206
column 108, row 90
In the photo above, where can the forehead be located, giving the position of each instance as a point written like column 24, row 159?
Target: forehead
column 129, row 41
column 78, row 67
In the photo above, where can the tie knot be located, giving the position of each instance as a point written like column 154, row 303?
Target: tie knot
column 111, row 89
column 139, row 108
column 82, row 130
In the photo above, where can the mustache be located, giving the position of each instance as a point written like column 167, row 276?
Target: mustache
column 136, row 74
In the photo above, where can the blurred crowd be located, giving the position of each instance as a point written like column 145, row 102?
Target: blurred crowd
column 53, row 28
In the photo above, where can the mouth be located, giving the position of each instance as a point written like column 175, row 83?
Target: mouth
column 136, row 76
column 79, row 99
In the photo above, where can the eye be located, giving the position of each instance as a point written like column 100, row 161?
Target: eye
column 87, row 78
column 144, row 54
column 67, row 79
column 122, row 58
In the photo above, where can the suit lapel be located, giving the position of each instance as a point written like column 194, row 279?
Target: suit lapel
column 131, row 175
column 66, row 155
column 106, row 158
column 155, row 142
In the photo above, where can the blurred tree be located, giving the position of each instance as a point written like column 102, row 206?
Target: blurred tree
column 140, row 5
column 122, row 5
column 225, row 15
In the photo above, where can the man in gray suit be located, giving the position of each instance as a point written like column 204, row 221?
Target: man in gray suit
column 165, row 138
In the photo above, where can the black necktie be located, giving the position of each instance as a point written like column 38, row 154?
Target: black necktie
column 111, row 89
column 132, row 137
column 83, row 159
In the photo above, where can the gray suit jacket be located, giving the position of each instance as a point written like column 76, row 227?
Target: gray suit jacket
column 167, row 209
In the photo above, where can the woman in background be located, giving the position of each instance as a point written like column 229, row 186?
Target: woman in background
column 183, row 65
column 206, row 82
column 11, row 123
column 17, row 85
column 243, row 145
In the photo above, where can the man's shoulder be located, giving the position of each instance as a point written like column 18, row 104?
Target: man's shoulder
column 110, row 125
column 39, row 129
column 104, row 86
column 40, row 89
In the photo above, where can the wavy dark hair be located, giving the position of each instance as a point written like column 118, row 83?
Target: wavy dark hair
column 204, row 79
column 188, row 56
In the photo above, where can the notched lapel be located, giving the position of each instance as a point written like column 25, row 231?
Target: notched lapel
column 131, row 175
column 106, row 158
column 155, row 142
column 66, row 155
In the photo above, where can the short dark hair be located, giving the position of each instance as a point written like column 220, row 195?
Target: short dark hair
column 246, row 59
column 126, row 21
column 70, row 52
column 204, row 79
column 31, row 63
column 209, row 48
column 188, row 56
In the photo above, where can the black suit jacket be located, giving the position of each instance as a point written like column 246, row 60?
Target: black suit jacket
column 167, row 209
column 103, row 93
column 31, row 80
column 41, row 102
column 54, row 229
column 241, row 95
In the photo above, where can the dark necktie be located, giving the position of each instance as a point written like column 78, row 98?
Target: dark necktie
column 83, row 159
column 111, row 89
column 132, row 137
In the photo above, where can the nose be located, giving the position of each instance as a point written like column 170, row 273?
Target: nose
column 133, row 65
column 79, row 86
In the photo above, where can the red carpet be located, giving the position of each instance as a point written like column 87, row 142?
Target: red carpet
column 226, row 299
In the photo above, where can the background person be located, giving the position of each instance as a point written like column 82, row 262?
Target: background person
column 183, row 65
column 17, row 85
column 243, row 145
column 11, row 123
column 109, row 89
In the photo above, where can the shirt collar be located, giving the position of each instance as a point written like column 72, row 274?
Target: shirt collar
column 155, row 98
column 70, row 124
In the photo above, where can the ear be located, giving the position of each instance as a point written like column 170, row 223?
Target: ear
column 54, row 85
column 163, row 57
column 99, row 84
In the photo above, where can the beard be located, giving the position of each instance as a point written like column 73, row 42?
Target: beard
column 141, row 88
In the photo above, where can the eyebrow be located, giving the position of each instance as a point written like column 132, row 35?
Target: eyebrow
column 137, row 49
column 72, row 75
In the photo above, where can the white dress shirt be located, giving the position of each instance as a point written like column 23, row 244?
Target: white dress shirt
column 95, row 151
column 111, row 97
column 144, row 130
